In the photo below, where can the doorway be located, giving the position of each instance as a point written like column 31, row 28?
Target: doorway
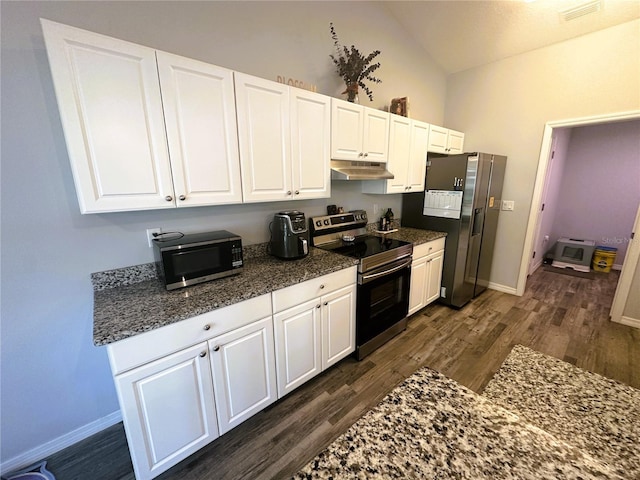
column 535, row 216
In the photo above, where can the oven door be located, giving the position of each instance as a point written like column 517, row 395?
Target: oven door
column 382, row 305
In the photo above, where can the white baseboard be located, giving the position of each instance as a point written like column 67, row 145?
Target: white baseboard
column 46, row 449
column 502, row 288
column 632, row 322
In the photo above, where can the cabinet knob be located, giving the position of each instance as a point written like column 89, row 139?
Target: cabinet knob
column 288, row 192
column 409, row 187
column 361, row 154
column 182, row 197
column 297, row 192
column 203, row 353
column 207, row 327
column 216, row 348
column 326, row 303
column 318, row 306
column 321, row 286
column 366, row 154
column 169, row 198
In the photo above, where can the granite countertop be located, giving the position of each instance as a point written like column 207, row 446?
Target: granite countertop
column 414, row 235
column 133, row 300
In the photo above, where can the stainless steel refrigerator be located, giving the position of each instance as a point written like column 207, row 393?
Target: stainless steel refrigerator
column 462, row 197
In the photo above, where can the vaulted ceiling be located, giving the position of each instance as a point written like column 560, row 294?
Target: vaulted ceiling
column 460, row 35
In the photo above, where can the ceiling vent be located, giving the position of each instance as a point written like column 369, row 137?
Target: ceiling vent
column 581, row 10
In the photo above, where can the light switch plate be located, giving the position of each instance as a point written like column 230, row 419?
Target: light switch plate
column 508, row 205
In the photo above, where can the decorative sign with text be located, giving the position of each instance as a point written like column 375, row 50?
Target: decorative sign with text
column 297, row 83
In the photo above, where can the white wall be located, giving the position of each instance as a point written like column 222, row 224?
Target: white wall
column 503, row 107
column 54, row 380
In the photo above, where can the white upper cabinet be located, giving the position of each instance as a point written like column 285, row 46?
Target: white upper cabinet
column 310, row 144
column 407, row 157
column 200, row 116
column 443, row 140
column 115, row 100
column 264, row 136
column 111, row 111
column 358, row 133
column 284, row 136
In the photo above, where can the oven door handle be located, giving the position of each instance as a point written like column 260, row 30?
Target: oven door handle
column 372, row 276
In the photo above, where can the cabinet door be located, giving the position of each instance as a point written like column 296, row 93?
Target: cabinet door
column 438, row 139
column 455, row 142
column 168, row 410
column 298, row 345
column 310, row 144
column 200, row 116
column 244, row 374
column 418, row 285
column 418, row 156
column 347, row 126
column 338, row 325
column 109, row 101
column 375, row 142
column 399, row 147
column 264, row 137
column 434, row 280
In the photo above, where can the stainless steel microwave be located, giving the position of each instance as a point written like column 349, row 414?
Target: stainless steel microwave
column 198, row 257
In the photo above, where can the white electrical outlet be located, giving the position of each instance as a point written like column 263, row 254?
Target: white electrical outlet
column 508, row 205
column 376, row 209
column 150, row 237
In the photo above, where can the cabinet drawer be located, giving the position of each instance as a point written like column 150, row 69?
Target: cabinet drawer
column 143, row 348
column 316, row 287
column 428, row 248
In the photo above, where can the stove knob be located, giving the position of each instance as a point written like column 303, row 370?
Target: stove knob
column 326, row 222
column 318, row 223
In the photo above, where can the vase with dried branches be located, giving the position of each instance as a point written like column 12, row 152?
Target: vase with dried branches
column 353, row 67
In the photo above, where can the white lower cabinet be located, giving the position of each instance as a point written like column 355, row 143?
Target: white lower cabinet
column 168, row 409
column 183, row 385
column 426, row 274
column 244, row 374
column 313, row 329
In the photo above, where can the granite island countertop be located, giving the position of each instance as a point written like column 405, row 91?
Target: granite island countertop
column 133, row 300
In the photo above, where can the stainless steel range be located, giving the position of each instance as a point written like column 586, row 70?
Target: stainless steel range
column 384, row 272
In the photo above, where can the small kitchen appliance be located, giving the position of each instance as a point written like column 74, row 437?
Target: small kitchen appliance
column 384, row 272
column 289, row 235
column 197, row 257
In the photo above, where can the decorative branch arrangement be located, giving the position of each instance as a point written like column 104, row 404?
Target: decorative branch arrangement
column 354, row 67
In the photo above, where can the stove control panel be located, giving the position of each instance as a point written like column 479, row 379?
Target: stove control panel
column 341, row 221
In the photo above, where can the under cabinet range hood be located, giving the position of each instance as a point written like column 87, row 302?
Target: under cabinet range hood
column 350, row 170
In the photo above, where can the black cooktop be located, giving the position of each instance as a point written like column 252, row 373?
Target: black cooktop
column 365, row 246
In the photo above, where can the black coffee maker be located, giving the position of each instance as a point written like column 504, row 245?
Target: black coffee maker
column 289, row 235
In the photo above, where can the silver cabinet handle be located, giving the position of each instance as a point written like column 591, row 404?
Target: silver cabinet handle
column 216, row 348
column 182, row 197
column 326, row 303
column 360, row 154
column 318, row 306
column 321, row 286
column 207, row 327
column 366, row 154
column 297, row 192
column 168, row 198
column 203, row 353
column 289, row 192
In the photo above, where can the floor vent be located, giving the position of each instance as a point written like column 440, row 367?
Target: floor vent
column 581, row 10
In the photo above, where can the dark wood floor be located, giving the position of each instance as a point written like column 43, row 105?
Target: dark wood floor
column 560, row 315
